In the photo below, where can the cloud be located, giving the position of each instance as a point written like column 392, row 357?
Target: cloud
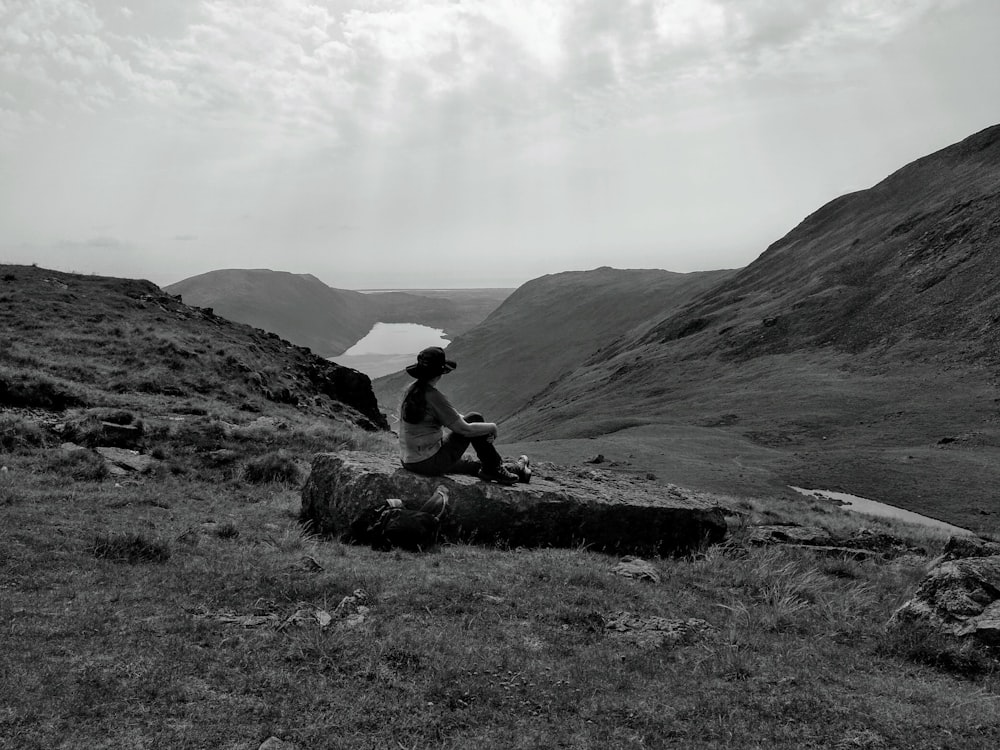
column 336, row 72
column 102, row 242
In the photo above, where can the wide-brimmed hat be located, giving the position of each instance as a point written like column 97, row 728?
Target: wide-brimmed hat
column 430, row 363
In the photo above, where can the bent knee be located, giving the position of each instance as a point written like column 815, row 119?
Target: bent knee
column 474, row 416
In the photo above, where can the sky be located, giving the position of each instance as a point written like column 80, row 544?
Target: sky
column 462, row 143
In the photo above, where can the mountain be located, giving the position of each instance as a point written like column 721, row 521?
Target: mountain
column 302, row 309
column 298, row 307
column 858, row 352
column 93, row 341
column 548, row 327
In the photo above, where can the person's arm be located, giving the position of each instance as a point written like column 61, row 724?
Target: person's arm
column 449, row 416
column 473, row 429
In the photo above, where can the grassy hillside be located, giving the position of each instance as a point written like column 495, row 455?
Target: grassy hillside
column 186, row 607
column 91, row 341
column 857, row 353
column 547, row 328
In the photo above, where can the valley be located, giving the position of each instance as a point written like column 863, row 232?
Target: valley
column 187, row 603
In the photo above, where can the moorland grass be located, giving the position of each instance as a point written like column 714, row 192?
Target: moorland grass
column 462, row 646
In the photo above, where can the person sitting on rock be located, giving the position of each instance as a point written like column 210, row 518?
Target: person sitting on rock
column 427, row 448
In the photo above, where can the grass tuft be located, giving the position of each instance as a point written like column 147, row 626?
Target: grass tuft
column 130, row 548
column 272, row 467
column 83, row 465
column 922, row 643
column 16, row 434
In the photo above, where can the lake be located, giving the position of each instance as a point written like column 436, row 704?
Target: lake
column 875, row 508
column 390, row 347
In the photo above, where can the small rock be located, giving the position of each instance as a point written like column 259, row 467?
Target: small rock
column 273, row 743
column 598, row 459
column 637, row 568
column 125, row 459
column 653, row 632
column 309, row 564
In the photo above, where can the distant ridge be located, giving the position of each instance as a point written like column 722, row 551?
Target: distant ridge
column 297, row 307
column 307, row 312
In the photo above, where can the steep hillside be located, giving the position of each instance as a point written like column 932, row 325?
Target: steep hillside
column 454, row 311
column 894, row 271
column 298, row 307
column 302, row 309
column 81, row 341
column 859, row 351
column 548, row 327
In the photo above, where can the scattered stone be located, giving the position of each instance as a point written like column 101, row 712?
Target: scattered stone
column 124, row 459
column 785, row 534
column 960, row 597
column 353, row 609
column 637, row 568
column 882, row 543
column 121, row 435
column 351, row 612
column 654, row 632
column 598, row 459
column 864, row 544
column 619, row 514
column 309, row 564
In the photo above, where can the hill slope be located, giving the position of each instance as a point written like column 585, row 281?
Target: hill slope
column 548, row 327
column 298, row 307
column 859, row 350
column 95, row 341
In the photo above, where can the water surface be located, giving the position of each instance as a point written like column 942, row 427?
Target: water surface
column 390, row 347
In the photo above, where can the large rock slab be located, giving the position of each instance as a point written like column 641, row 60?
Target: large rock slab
column 562, row 507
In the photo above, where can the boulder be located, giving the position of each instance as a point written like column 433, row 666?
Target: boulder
column 561, row 507
column 960, row 597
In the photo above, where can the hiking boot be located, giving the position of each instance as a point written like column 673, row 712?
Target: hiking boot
column 522, row 468
column 500, row 475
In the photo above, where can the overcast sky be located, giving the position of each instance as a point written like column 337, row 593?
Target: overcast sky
column 423, row 143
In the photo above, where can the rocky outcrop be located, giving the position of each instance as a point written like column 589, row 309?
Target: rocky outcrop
column 863, row 544
column 562, row 507
column 968, row 546
column 961, row 597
